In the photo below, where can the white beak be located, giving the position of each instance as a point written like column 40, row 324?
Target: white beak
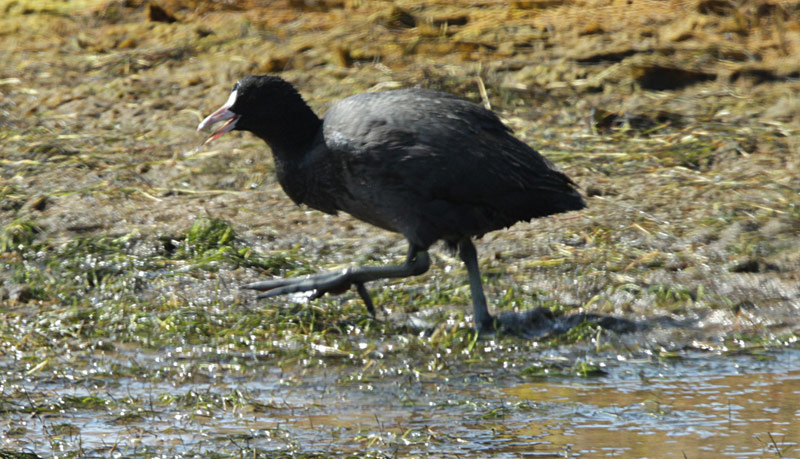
column 221, row 114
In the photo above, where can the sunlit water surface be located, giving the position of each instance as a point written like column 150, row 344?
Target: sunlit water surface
column 700, row 405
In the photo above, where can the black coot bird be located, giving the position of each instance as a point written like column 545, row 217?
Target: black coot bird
column 422, row 163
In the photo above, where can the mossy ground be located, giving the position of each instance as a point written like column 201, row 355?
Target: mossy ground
column 123, row 241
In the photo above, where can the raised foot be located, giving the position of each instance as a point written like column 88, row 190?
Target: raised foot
column 334, row 282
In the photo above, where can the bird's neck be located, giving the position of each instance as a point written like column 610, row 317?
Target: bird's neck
column 290, row 135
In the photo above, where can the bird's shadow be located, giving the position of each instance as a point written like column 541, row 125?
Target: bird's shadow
column 542, row 323
column 538, row 323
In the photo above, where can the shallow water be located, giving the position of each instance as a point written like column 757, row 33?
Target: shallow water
column 697, row 408
column 699, row 405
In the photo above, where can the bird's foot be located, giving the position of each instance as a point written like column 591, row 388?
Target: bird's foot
column 333, row 282
column 486, row 325
column 320, row 284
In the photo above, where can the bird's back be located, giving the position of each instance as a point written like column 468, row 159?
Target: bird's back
column 433, row 166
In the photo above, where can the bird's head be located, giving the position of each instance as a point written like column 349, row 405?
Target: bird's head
column 257, row 103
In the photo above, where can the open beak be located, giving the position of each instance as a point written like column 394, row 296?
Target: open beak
column 223, row 113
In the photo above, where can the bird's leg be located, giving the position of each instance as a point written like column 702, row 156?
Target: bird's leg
column 484, row 322
column 417, row 262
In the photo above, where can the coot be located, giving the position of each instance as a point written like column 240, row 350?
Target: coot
column 422, row 163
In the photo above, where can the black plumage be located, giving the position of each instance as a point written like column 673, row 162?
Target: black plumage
column 422, row 163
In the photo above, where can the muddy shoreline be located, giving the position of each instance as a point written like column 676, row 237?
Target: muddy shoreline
column 123, row 240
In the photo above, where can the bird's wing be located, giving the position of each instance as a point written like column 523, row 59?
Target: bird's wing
column 442, row 146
